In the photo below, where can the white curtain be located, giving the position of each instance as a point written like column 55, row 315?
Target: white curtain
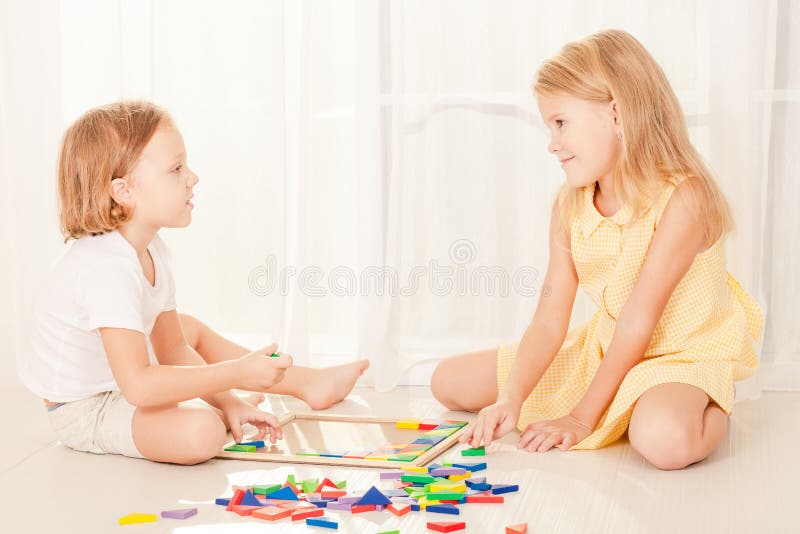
column 374, row 180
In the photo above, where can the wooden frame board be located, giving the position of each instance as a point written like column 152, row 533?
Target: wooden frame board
column 328, row 432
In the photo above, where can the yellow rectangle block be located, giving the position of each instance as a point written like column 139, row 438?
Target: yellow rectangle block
column 132, row 519
column 414, row 469
column 456, row 478
column 449, row 486
column 408, row 423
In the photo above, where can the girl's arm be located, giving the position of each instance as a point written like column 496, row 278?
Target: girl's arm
column 547, row 330
column 537, row 348
column 145, row 385
column 171, row 348
column 680, row 236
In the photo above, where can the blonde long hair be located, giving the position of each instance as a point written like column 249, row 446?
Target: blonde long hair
column 103, row 144
column 613, row 65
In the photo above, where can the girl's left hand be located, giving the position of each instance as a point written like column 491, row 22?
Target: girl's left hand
column 543, row 435
column 239, row 413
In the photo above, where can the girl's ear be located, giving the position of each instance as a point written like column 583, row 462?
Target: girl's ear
column 615, row 117
column 121, row 191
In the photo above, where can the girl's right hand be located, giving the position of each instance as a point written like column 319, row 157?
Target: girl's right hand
column 493, row 422
column 259, row 371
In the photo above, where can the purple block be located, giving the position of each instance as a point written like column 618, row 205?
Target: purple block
column 179, row 514
column 349, row 499
column 391, row 475
column 339, row 506
column 447, row 471
column 379, row 508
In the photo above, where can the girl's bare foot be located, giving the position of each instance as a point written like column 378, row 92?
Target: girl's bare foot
column 322, row 388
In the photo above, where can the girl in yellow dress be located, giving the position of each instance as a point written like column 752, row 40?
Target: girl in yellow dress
column 640, row 225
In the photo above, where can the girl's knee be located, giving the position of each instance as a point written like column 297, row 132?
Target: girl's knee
column 205, row 436
column 667, row 447
column 442, row 384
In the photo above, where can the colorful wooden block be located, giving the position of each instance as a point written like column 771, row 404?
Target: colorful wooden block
column 485, row 499
column 324, row 523
column 243, row 509
column 134, row 518
column 285, row 493
column 249, row 499
column 399, row 509
column 477, row 451
column 415, row 469
column 361, row 508
column 241, row 448
column 474, row 467
column 412, row 424
column 497, row 489
column 444, row 495
column 391, row 475
column 519, row 528
column 418, row 478
column 375, row 497
column 272, row 513
column 264, row 490
column 179, row 514
column 222, row 501
column 306, row 513
column 256, row 444
column 236, row 499
column 447, row 526
column 443, row 509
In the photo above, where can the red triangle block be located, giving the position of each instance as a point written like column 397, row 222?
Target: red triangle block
column 446, row 526
column 326, row 483
column 519, row 528
column 399, row 509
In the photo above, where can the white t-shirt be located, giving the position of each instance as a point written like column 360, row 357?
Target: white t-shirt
column 98, row 282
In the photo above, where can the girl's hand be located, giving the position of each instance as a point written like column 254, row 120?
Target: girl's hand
column 259, row 371
column 493, row 422
column 543, row 435
column 238, row 413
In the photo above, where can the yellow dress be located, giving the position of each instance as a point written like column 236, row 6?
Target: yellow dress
column 704, row 337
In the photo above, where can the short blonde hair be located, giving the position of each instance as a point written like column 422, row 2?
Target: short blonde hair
column 613, row 65
column 101, row 145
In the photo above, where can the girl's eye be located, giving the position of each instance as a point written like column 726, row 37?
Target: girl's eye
column 559, row 122
column 178, row 168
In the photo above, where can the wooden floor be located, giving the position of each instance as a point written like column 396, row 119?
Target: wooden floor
column 748, row 485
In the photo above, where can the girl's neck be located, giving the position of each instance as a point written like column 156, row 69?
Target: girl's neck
column 605, row 200
column 138, row 236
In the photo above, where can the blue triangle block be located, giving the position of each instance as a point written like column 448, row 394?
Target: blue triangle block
column 374, row 496
column 285, row 494
column 249, row 499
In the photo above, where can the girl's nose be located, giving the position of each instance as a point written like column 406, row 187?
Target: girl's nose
column 553, row 147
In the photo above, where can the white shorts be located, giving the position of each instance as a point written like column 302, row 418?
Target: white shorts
column 101, row 424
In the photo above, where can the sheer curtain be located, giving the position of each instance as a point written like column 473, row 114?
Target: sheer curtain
column 374, row 180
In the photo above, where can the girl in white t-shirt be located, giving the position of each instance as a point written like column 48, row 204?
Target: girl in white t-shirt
column 122, row 176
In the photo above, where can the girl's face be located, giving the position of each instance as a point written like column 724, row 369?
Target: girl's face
column 160, row 185
column 583, row 136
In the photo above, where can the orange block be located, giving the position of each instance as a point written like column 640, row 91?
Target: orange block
column 303, row 513
column 399, row 509
column 272, row 513
column 236, row 499
column 333, row 494
column 243, row 509
column 358, row 508
column 519, row 528
column 485, row 499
